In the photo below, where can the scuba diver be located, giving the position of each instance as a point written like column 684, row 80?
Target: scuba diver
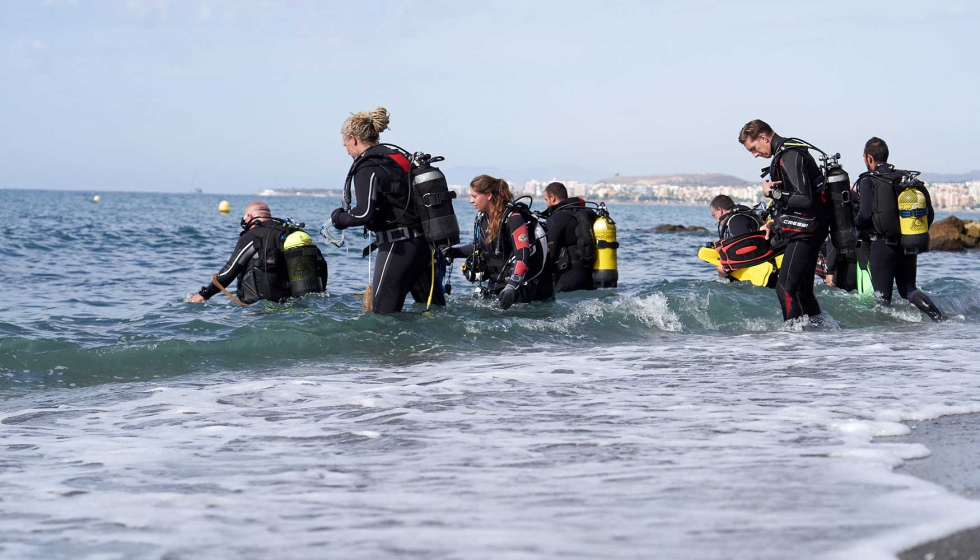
column 508, row 250
column 733, row 220
column 799, row 217
column 381, row 182
column 273, row 260
column 896, row 213
column 571, row 241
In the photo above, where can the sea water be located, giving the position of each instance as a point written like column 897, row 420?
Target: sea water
column 674, row 416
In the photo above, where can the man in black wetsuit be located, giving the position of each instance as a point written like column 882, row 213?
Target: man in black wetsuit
column 258, row 262
column 379, row 181
column 796, row 186
column 733, row 220
column 571, row 242
column 878, row 221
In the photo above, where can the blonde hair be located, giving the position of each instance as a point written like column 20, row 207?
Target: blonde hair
column 366, row 126
column 485, row 184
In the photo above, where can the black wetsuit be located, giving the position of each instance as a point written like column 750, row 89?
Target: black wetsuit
column 380, row 186
column 570, row 269
column 801, row 219
column 878, row 221
column 259, row 265
column 516, row 262
column 843, row 270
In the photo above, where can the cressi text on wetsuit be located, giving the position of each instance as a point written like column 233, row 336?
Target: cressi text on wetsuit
column 379, row 183
column 259, row 265
column 570, row 269
column 802, row 222
column 878, row 221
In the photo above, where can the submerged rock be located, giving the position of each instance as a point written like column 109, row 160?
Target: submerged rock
column 678, row 228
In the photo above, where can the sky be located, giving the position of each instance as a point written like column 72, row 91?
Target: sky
column 239, row 96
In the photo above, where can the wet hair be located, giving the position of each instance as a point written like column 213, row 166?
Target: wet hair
column 877, row 149
column 753, row 129
column 556, row 190
column 485, row 184
column 366, row 126
column 722, row 202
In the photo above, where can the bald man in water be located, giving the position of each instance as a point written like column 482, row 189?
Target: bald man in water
column 258, row 262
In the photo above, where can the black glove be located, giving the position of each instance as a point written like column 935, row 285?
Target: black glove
column 445, row 255
column 334, row 219
column 507, row 296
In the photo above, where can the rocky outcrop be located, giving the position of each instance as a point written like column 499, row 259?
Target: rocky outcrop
column 678, row 228
column 954, row 234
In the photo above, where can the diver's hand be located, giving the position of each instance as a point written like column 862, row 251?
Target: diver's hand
column 507, row 296
column 445, row 255
column 196, row 298
column 829, row 280
column 334, row 219
column 767, row 186
column 767, row 227
column 721, row 271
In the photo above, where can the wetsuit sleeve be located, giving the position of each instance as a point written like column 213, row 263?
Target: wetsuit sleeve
column 865, row 218
column 797, row 184
column 520, row 237
column 830, row 254
column 460, row 251
column 367, row 190
column 244, row 250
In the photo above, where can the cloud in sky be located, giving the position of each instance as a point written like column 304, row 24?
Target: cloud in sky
column 142, row 95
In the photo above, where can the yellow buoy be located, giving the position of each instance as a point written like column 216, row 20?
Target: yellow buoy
column 224, row 207
column 96, row 198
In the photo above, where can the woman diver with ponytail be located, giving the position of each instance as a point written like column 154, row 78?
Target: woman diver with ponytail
column 504, row 247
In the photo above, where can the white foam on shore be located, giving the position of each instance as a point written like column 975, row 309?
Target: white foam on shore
column 611, row 452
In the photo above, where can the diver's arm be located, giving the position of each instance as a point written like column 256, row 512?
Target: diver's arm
column 797, row 188
column 865, row 217
column 459, row 251
column 366, row 187
column 244, row 251
column 932, row 213
column 520, row 238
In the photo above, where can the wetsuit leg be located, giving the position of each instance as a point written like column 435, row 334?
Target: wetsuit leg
column 905, row 273
column 794, row 287
column 883, row 262
column 422, row 286
column 396, row 270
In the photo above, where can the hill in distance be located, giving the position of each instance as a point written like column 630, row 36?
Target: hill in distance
column 681, row 180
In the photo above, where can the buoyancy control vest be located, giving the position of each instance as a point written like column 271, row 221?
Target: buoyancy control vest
column 501, row 256
column 265, row 275
column 901, row 208
column 833, row 186
column 740, row 210
column 418, row 196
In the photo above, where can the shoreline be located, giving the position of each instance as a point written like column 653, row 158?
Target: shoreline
column 955, row 449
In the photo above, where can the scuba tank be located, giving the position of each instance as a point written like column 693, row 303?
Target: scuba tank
column 434, row 202
column 302, row 264
column 604, row 272
column 838, row 185
column 913, row 214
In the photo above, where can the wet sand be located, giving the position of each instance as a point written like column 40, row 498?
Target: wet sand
column 954, row 464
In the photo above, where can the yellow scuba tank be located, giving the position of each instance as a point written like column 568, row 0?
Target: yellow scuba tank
column 604, row 272
column 913, row 218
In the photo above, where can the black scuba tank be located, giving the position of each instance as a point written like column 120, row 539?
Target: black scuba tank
column 843, row 234
column 434, row 202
